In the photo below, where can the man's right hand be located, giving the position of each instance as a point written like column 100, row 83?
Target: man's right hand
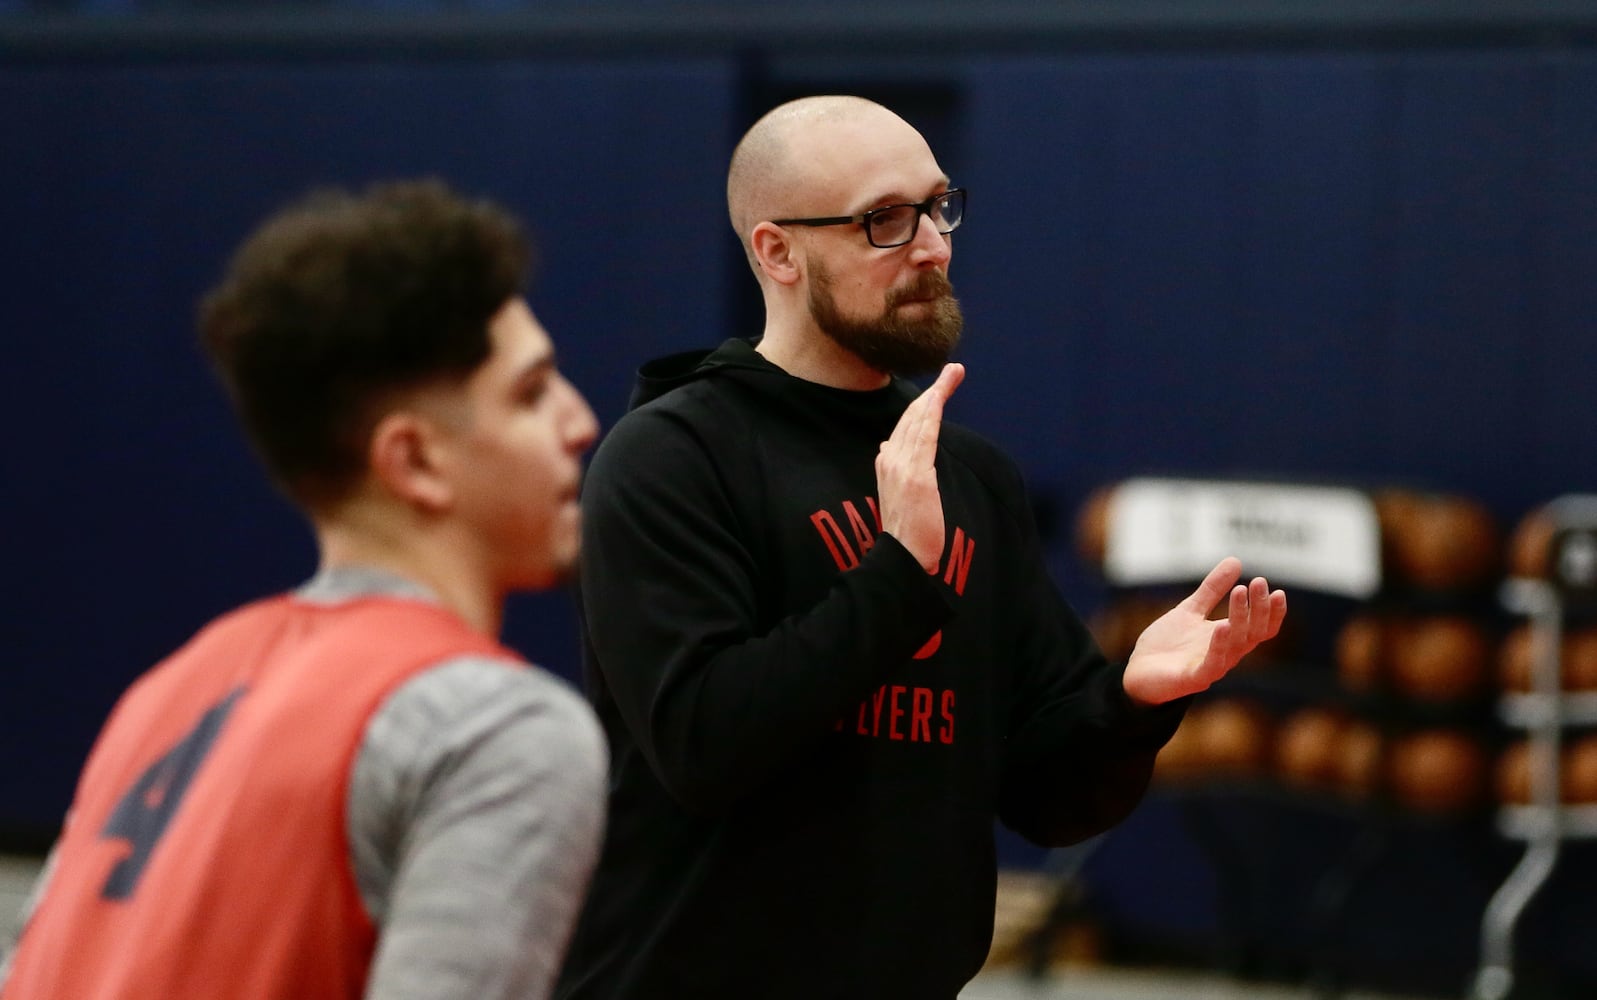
column 906, row 472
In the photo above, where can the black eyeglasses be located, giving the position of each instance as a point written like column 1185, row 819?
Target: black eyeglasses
column 895, row 225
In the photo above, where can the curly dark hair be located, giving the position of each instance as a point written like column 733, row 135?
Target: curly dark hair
column 340, row 300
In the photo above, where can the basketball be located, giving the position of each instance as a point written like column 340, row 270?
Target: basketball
column 1307, row 747
column 1440, row 659
column 1358, row 759
column 1359, row 651
column 1092, row 526
column 1437, row 771
column 1530, row 546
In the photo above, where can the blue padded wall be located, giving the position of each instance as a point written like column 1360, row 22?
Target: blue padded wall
column 134, row 511
column 1373, row 267
column 1367, row 265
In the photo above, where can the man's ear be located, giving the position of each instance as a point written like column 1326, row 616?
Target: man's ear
column 774, row 251
column 403, row 453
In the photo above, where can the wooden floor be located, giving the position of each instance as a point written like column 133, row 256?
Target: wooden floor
column 1002, row 980
column 16, row 878
column 1132, row 984
column 1078, row 972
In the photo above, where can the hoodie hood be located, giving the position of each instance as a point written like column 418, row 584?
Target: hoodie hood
column 661, row 375
column 737, row 359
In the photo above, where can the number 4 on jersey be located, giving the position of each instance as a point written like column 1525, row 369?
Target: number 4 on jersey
column 142, row 814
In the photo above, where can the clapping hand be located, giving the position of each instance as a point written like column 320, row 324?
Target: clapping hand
column 1183, row 651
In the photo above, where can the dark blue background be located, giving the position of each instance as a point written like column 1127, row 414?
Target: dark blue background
column 1362, row 264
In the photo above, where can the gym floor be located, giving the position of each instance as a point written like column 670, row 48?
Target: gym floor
column 1133, row 984
column 17, row 875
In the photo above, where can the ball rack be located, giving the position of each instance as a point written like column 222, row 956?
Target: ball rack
column 1544, row 712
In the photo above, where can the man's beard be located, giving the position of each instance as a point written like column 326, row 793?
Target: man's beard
column 893, row 343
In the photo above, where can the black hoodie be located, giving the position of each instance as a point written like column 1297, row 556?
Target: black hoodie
column 811, row 736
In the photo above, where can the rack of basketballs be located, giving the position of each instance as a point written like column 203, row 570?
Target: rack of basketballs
column 1390, row 705
column 1546, row 773
column 1383, row 710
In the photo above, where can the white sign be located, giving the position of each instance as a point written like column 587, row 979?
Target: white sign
column 1175, row 530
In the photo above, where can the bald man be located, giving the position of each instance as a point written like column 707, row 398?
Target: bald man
column 819, row 631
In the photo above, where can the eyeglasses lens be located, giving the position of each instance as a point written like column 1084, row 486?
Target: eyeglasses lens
column 895, row 226
column 949, row 211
